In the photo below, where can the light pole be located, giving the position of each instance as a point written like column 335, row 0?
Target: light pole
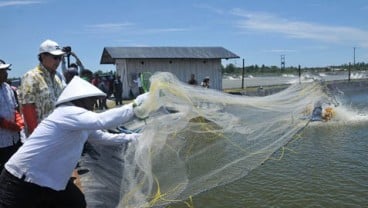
column 354, row 57
column 243, row 75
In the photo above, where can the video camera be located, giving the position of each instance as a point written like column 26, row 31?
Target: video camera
column 67, row 49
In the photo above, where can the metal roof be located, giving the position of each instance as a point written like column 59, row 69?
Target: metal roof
column 109, row 54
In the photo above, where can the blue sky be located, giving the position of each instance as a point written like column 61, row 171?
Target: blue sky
column 309, row 33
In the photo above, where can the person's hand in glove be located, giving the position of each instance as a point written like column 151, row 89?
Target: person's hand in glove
column 137, row 106
column 140, row 99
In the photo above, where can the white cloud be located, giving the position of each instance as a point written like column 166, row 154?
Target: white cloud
column 108, row 27
column 269, row 23
column 165, row 30
column 129, row 27
column 280, row 51
column 16, row 3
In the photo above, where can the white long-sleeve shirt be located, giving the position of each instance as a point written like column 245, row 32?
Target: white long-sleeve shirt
column 138, row 81
column 52, row 151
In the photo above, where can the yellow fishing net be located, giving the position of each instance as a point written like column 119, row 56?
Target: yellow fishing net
column 195, row 139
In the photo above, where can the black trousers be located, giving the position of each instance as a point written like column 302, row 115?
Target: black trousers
column 141, row 90
column 16, row 193
column 7, row 152
column 118, row 100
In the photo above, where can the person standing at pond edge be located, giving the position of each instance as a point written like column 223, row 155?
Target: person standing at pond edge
column 39, row 87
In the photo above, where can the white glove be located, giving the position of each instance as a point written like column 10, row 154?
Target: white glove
column 141, row 98
column 138, row 110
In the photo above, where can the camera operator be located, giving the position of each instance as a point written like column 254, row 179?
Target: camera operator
column 73, row 68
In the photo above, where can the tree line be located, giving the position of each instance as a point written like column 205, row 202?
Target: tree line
column 263, row 69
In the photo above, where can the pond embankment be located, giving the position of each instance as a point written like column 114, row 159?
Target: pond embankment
column 355, row 84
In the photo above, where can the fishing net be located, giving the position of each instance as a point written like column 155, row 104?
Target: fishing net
column 196, row 139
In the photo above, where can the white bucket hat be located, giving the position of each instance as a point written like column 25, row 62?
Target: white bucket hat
column 3, row 65
column 78, row 88
column 52, row 47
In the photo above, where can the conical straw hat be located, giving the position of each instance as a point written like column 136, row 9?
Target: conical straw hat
column 79, row 88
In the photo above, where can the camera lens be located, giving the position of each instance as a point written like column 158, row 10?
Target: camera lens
column 67, row 49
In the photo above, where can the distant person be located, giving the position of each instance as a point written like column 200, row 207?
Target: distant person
column 96, row 82
column 206, row 82
column 69, row 73
column 87, row 75
column 38, row 174
column 118, row 91
column 104, row 88
column 69, row 70
column 11, row 121
column 78, row 63
column 139, row 83
column 39, row 87
column 110, row 85
column 192, row 80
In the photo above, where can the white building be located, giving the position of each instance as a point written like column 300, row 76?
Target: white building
column 181, row 61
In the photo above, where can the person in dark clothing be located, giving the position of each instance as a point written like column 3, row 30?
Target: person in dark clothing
column 103, row 100
column 69, row 73
column 118, row 91
column 192, row 80
column 206, row 82
column 87, row 75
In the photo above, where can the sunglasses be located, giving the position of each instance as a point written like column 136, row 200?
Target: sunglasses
column 55, row 57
